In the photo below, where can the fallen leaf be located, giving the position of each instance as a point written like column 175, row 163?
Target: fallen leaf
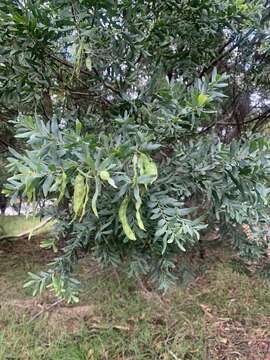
column 224, row 340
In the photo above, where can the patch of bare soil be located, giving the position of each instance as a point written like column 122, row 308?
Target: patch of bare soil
column 58, row 317
column 23, row 250
column 70, row 318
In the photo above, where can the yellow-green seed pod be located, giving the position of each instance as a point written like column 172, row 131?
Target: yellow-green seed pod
column 79, row 194
column 147, row 166
column 139, row 219
column 124, row 221
column 138, row 206
column 63, row 185
column 87, row 189
column 104, row 175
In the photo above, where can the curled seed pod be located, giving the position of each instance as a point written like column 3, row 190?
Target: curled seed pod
column 104, row 175
column 124, row 221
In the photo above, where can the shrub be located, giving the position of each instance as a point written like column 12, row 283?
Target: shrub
column 141, row 194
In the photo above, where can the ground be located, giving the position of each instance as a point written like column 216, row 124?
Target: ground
column 219, row 315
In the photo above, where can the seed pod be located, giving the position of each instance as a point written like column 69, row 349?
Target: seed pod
column 87, row 188
column 79, row 194
column 104, row 175
column 139, row 219
column 95, row 196
column 124, row 221
column 147, row 167
column 62, row 187
column 138, row 206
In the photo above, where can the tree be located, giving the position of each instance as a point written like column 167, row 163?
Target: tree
column 123, row 107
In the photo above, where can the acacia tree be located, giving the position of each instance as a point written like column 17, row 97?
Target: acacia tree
column 123, row 108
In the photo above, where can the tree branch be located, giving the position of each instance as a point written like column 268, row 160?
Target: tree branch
column 85, row 72
column 222, row 54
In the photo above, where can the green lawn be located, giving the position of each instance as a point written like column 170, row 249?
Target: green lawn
column 221, row 315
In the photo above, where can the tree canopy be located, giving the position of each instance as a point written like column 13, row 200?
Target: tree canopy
column 143, row 122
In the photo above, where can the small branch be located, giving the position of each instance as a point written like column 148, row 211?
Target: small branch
column 68, row 64
column 85, row 72
column 222, row 55
column 207, row 128
column 44, row 310
column 259, row 117
column 4, row 143
column 225, row 53
column 259, row 122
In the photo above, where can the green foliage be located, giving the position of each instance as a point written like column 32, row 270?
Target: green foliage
column 124, row 206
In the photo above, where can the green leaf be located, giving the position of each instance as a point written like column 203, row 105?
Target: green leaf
column 181, row 247
column 112, row 183
column 78, row 127
column 48, row 244
column 171, row 239
column 47, row 184
column 105, row 176
column 161, row 231
column 156, row 216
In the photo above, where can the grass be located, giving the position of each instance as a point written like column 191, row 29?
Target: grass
column 221, row 315
column 15, row 225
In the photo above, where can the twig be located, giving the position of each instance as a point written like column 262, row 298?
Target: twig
column 85, row 72
column 222, row 55
column 173, row 355
column 207, row 128
column 227, row 52
column 46, row 309
column 68, row 64
column 107, row 327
